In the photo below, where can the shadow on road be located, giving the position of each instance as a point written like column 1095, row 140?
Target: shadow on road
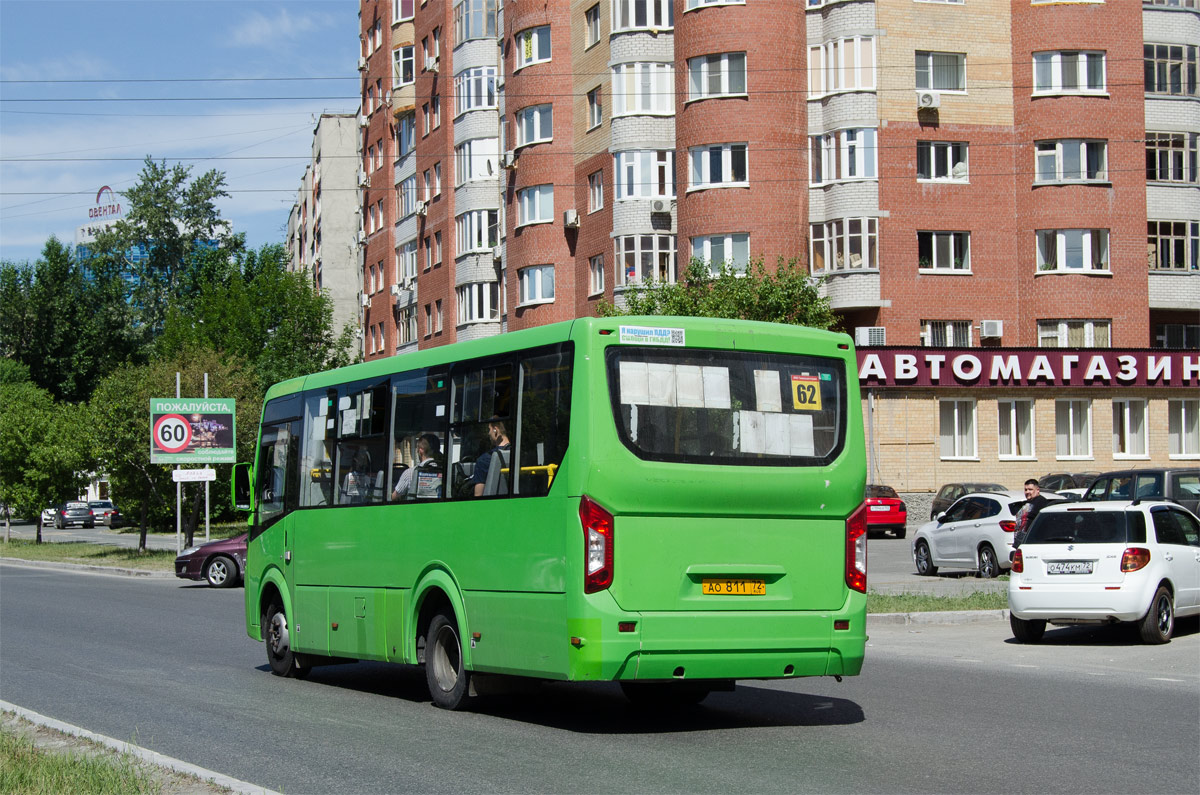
column 1113, row 635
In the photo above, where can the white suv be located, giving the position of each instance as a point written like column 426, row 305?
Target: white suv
column 1103, row 562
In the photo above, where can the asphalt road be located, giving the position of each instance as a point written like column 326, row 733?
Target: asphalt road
column 167, row 665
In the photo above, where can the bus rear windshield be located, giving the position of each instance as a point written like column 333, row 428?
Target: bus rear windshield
column 728, row 407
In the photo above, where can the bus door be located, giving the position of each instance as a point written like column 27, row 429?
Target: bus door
column 276, row 489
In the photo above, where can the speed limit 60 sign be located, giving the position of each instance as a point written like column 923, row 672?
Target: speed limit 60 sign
column 192, row 431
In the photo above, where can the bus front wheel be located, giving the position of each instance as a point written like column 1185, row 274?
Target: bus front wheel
column 280, row 656
column 449, row 681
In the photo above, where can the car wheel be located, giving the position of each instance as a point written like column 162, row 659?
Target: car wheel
column 989, row 566
column 448, row 679
column 1026, row 630
column 221, row 572
column 925, row 565
column 280, row 656
column 1159, row 623
column 664, row 694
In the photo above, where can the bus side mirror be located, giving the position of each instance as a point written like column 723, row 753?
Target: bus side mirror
column 243, row 494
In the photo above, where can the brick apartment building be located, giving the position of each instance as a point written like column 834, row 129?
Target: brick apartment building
column 988, row 178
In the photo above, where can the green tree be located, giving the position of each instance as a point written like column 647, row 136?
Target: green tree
column 786, row 294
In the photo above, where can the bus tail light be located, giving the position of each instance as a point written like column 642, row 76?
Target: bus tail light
column 1018, row 562
column 597, row 545
column 1134, row 558
column 856, row 550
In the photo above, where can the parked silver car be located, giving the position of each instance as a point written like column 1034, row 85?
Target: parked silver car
column 976, row 533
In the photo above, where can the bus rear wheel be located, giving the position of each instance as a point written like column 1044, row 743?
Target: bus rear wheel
column 282, row 659
column 448, row 679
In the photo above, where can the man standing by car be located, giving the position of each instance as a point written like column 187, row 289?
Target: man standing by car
column 1034, row 502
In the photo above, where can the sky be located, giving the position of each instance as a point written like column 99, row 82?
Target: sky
column 88, row 90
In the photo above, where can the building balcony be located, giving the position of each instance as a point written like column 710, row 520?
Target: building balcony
column 1174, row 289
column 852, row 288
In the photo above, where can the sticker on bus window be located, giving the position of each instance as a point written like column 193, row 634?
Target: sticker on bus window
column 766, row 391
column 766, row 433
column 651, row 335
column 806, row 393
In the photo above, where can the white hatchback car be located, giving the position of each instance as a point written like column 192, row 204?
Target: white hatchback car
column 976, row 532
column 1104, row 562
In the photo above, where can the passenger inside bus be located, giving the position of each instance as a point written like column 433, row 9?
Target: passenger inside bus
column 423, row 479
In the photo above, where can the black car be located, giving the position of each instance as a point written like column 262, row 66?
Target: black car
column 1057, row 481
column 75, row 512
column 950, row 492
column 1179, row 485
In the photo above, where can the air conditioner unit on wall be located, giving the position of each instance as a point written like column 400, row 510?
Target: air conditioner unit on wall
column 660, row 206
column 571, row 219
column 870, row 335
column 991, row 329
column 403, row 297
column 928, row 99
column 363, row 179
column 362, row 63
column 366, row 300
column 422, row 206
column 362, row 237
column 508, row 160
column 432, row 66
column 497, row 252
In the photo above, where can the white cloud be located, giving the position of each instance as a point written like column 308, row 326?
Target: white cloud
column 282, row 28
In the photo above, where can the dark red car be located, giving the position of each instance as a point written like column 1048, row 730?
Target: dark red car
column 220, row 563
column 886, row 511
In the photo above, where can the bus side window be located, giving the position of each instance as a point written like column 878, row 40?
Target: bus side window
column 481, row 399
column 320, row 438
column 543, row 421
column 277, row 472
column 419, row 423
column 361, row 457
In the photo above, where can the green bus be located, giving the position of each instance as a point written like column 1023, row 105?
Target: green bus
column 669, row 503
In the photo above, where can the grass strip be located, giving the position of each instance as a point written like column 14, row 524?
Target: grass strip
column 91, row 554
column 32, row 770
column 932, row 603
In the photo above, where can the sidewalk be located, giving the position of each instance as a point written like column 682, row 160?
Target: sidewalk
column 97, row 535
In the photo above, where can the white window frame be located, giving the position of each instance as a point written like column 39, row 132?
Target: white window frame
column 643, row 88
column 1172, row 69
column 1057, row 333
column 1058, row 72
column 1130, row 434
column 1173, row 245
column 716, row 251
column 941, row 159
column 644, row 174
column 1091, row 259
column 1053, row 158
column 478, row 302
column 595, row 191
column 1183, row 428
column 1072, row 419
column 408, row 260
column 846, row 155
column 596, row 275
column 407, row 327
column 959, row 251
column 535, row 285
column 591, row 22
column 398, row 9
column 404, row 66
column 635, row 255
column 535, row 205
column 718, row 166
column 408, row 196
column 947, row 334
column 842, row 65
column 1016, row 425
column 476, row 160
column 477, row 231
column 406, row 135
column 643, row 15
column 717, row 75
column 928, row 71
column 1175, row 156
column 692, row 5
column 535, row 124
column 959, row 442
column 474, row 19
column 474, row 89
column 595, row 108
column 533, row 46
column 834, row 244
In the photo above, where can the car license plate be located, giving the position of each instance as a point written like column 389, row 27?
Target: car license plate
column 880, row 508
column 1068, row 567
column 727, row 587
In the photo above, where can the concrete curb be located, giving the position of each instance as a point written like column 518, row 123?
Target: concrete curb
column 940, row 617
column 88, row 567
column 144, row 754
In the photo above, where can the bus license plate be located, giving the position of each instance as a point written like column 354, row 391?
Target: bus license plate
column 725, row 587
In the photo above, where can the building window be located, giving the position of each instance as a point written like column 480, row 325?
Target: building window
column 595, row 191
column 428, row 320
column 634, row 14
column 1072, row 249
column 644, row 174
column 1071, row 160
column 474, row 19
column 536, row 284
column 720, row 75
column 1129, row 428
column 1173, row 3
column 1177, row 336
column 941, row 71
column 437, row 248
column 409, row 262
column 844, row 243
column 956, row 420
column 1074, row 333
column 1171, row 157
column 535, row 124
column 843, row 155
column 1016, row 429
column 476, row 160
column 403, row 66
column 475, row 89
column 1171, row 69
column 428, row 253
column 942, row 161
column 700, row 3
column 596, row 275
column 643, row 88
column 595, row 108
column 535, row 205
column 645, row 258
column 1173, row 245
column 841, row 65
column 435, row 104
column 718, row 165
column 533, row 46
column 427, row 180
column 1183, row 428
column 402, row 10
column 425, row 119
column 371, row 288
column 1068, row 72
column 946, row 333
column 437, row 316
column 1073, row 428
column 408, row 196
column 477, row 230
column 407, row 326
column 944, row 251
column 591, row 21
column 478, row 302
column 437, row 179
column 719, row 250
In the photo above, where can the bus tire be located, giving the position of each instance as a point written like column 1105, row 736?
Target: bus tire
column 280, row 657
column 664, row 694
column 448, row 679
